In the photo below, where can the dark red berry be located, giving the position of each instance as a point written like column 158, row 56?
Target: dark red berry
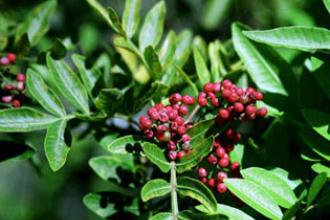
column 223, row 113
column 8, row 87
column 202, row 172
column 201, row 101
column 189, row 100
column 235, row 166
column 211, row 182
column 208, row 87
column 262, row 112
column 185, row 138
column 212, row 159
column 203, row 179
column 233, row 97
column 183, row 110
column 16, row 103
column 175, row 98
column 171, row 146
column 220, row 152
column 221, row 188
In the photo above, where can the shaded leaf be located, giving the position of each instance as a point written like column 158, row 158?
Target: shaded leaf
column 187, row 79
column 155, row 188
column 320, row 168
column 13, row 150
column 162, row 216
column 37, row 22
column 109, row 99
column 231, row 212
column 327, row 4
column 254, row 196
column 191, row 215
column 156, row 156
column 43, row 94
column 153, row 62
column 296, row 37
column 319, row 121
column 195, row 189
column 55, row 148
column 24, row 119
column 118, row 146
column 93, row 202
column 316, row 187
column 258, row 68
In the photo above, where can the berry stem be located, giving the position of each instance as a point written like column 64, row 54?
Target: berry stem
column 174, row 196
column 193, row 113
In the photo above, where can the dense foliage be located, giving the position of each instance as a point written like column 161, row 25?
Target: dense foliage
column 180, row 111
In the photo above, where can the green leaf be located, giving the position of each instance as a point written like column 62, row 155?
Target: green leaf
column 201, row 68
column 155, row 188
column 187, row 79
column 183, row 47
column 153, row 62
column 301, row 38
column 217, row 66
column 254, row 196
column 284, row 175
column 68, row 83
column 167, row 51
column 195, row 189
column 289, row 213
column 320, row 168
column 316, row 143
column 261, row 72
column 153, row 26
column 131, row 17
column 316, row 187
column 327, row 4
column 55, row 148
column 24, row 119
column 43, row 94
column 214, row 12
column 162, row 216
column 109, row 99
column 93, row 202
column 237, row 154
column 109, row 16
column 118, row 146
column 89, row 77
column 156, row 156
column 106, row 166
column 192, row 215
column 274, row 185
column 37, row 22
column 200, row 148
column 231, row 212
column 319, row 121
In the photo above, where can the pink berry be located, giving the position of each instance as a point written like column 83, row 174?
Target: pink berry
column 172, row 155
column 20, row 77
column 217, row 88
column 202, row 172
column 212, row 159
column 183, row 110
column 185, row 138
column 4, row 61
column 7, row 99
column 221, row 188
column 227, row 84
column 220, row 152
column 171, row 146
column 20, row 86
column 221, row 176
column 223, row 162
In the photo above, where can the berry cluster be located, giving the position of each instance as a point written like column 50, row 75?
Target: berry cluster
column 166, row 123
column 218, row 161
column 12, row 85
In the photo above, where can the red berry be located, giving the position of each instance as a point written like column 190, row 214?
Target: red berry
column 201, row 101
column 221, row 176
column 179, row 120
column 229, row 148
column 220, row 152
column 212, row 159
column 145, row 122
column 235, row 166
column 238, row 136
column 159, row 106
column 250, row 110
column 183, row 110
column 238, row 107
column 149, row 134
column 223, row 113
column 172, row 155
column 181, row 154
column 172, row 114
column 221, row 187
column 233, row 97
column 227, row 84
column 262, row 112
column 226, row 93
column 163, row 117
column 181, row 130
column 171, row 146
column 11, row 57
column 163, row 137
column 208, row 87
column 161, row 129
column 211, row 182
column 20, row 77
column 224, row 162
column 230, row 133
column 215, row 102
column 16, row 103
column 259, row 96
column 202, row 172
column 175, row 98
column 189, row 100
